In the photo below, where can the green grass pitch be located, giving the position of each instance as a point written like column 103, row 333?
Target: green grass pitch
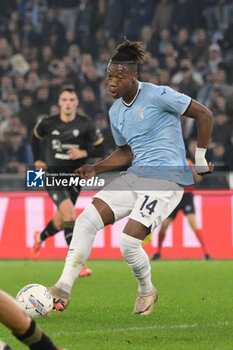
column 194, row 311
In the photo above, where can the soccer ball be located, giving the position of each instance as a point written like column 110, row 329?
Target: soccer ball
column 35, row 300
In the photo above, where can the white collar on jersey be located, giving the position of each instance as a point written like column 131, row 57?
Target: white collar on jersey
column 138, row 90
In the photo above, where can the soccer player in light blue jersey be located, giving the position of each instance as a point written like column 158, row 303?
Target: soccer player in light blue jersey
column 145, row 122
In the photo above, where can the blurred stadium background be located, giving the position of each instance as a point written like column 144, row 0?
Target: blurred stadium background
column 46, row 43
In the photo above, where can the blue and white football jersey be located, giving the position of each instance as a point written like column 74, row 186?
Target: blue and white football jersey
column 150, row 125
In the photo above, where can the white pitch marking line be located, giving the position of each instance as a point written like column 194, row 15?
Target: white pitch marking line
column 120, row 330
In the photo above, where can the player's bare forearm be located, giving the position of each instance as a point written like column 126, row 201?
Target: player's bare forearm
column 204, row 119
column 123, row 155
column 11, row 315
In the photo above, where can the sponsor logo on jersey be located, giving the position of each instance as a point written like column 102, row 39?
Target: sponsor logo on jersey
column 55, row 132
column 140, row 111
column 75, row 132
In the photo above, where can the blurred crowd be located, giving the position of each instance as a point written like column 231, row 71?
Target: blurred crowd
column 47, row 43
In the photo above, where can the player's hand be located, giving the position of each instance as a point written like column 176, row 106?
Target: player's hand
column 86, row 171
column 39, row 164
column 201, row 165
column 76, row 153
column 205, row 170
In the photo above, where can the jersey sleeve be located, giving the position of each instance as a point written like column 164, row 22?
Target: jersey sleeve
column 171, row 100
column 118, row 138
column 40, row 129
column 113, row 117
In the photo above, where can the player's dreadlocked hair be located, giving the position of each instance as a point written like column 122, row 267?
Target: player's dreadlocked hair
column 129, row 52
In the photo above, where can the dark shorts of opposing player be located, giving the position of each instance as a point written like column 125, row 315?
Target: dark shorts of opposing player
column 59, row 196
column 186, row 205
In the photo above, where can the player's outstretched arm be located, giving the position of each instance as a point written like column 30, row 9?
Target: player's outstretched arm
column 23, row 327
column 123, row 155
column 12, row 316
column 204, row 119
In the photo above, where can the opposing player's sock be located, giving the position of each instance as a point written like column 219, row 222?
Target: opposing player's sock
column 35, row 338
column 50, row 230
column 157, row 255
column 68, row 230
column 199, row 236
column 39, row 237
column 160, row 240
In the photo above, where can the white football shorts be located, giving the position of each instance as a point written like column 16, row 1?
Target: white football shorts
column 148, row 201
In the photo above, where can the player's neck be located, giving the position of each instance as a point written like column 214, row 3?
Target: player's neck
column 67, row 118
column 132, row 95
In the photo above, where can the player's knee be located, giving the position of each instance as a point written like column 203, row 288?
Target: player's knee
column 90, row 218
column 105, row 211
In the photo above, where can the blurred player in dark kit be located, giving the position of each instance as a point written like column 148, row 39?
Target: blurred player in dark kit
column 70, row 140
